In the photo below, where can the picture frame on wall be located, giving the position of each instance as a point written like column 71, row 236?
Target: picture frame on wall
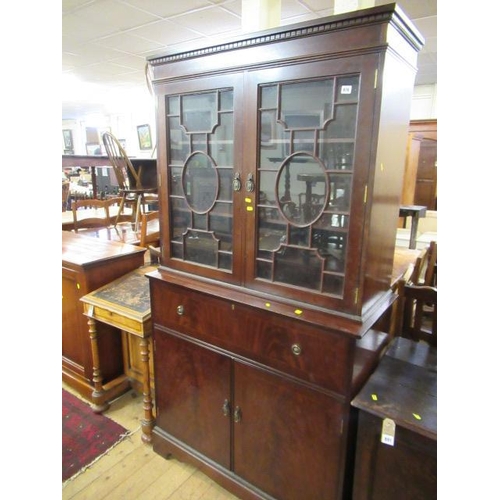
column 68, row 139
column 93, row 149
column 144, row 133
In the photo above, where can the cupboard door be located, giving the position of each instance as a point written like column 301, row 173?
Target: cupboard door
column 313, row 163
column 426, row 182
column 203, row 177
column 287, row 437
column 193, row 395
column 75, row 343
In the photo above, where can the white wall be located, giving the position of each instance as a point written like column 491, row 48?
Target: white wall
column 122, row 125
column 424, row 102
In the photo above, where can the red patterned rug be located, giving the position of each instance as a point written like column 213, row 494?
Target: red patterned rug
column 85, row 435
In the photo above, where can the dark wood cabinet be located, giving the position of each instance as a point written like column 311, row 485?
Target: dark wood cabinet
column 401, row 463
column 87, row 264
column 280, row 161
column 249, row 392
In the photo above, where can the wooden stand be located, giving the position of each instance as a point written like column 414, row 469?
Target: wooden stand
column 124, row 304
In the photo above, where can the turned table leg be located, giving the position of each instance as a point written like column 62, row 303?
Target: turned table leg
column 148, row 421
column 99, row 404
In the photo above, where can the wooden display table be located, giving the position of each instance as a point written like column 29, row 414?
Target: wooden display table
column 124, row 304
column 402, row 391
column 87, row 264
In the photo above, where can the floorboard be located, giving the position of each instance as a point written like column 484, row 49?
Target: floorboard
column 133, row 471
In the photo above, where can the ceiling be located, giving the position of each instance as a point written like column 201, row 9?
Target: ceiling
column 105, row 43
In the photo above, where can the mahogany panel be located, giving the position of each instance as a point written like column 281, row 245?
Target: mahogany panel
column 192, row 390
column 284, row 426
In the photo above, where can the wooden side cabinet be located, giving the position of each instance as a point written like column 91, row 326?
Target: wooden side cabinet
column 87, row 264
column 398, row 463
column 242, row 412
column 252, row 397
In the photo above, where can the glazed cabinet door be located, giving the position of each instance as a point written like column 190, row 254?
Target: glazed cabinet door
column 312, row 161
column 193, row 395
column 288, row 438
column 202, row 180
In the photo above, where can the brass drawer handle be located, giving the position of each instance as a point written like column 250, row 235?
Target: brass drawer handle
column 250, row 184
column 180, row 310
column 296, row 349
column 226, row 408
column 237, row 414
column 236, row 182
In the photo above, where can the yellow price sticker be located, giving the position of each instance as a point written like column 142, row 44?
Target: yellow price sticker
column 374, row 397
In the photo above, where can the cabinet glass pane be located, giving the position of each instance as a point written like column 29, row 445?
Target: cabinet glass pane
column 347, row 89
column 302, row 184
column 200, row 139
column 306, row 105
column 199, row 112
column 221, row 141
column 179, row 142
column 306, row 153
column 200, row 182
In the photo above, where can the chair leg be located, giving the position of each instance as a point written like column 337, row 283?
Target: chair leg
column 138, row 211
column 120, row 209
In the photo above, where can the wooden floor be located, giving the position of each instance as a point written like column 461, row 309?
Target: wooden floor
column 133, row 471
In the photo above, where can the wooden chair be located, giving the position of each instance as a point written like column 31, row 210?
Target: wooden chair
column 430, row 276
column 90, row 214
column 124, row 170
column 425, row 268
column 150, row 234
column 416, row 312
column 65, row 195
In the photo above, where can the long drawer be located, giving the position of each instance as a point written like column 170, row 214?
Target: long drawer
column 268, row 338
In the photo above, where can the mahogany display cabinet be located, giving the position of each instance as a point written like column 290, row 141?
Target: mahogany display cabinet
column 280, row 162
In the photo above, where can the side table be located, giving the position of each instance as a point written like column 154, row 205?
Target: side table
column 124, row 304
column 396, row 451
column 88, row 264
